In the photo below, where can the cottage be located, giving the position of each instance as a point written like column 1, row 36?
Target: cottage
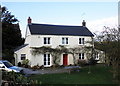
column 53, row 37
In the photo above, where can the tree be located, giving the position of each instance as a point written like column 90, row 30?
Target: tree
column 109, row 42
column 11, row 34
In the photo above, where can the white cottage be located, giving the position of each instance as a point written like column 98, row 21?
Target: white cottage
column 38, row 35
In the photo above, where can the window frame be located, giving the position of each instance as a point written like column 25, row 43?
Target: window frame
column 23, row 56
column 47, row 59
column 46, row 40
column 81, row 41
column 81, row 56
column 65, row 41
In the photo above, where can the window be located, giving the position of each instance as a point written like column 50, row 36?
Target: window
column 23, row 56
column 64, row 40
column 97, row 56
column 47, row 40
column 46, row 59
column 81, row 56
column 81, row 40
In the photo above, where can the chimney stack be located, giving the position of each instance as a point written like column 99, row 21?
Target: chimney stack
column 29, row 20
column 84, row 23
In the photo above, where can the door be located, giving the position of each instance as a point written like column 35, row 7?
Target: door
column 46, row 60
column 65, row 59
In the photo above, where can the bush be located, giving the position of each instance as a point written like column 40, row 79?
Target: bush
column 92, row 61
column 55, row 66
column 62, row 66
column 36, row 67
column 16, row 79
column 19, row 64
column 42, row 67
column 25, row 62
column 82, row 62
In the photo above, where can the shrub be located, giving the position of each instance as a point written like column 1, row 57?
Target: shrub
column 92, row 61
column 36, row 67
column 19, row 64
column 42, row 67
column 25, row 62
column 16, row 79
column 55, row 66
column 70, row 64
column 62, row 66
column 82, row 62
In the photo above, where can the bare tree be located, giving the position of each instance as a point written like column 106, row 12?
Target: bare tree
column 109, row 42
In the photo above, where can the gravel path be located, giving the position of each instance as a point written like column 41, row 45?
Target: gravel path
column 43, row 71
column 27, row 71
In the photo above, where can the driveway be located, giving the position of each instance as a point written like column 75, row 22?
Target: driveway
column 27, row 71
column 68, row 69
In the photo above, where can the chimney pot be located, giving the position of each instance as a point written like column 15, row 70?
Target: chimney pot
column 29, row 20
column 84, row 23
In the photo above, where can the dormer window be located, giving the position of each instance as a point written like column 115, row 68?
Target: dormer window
column 47, row 40
column 81, row 40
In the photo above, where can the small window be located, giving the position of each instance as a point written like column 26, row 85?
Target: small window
column 47, row 40
column 65, row 40
column 23, row 56
column 97, row 56
column 81, row 40
column 81, row 56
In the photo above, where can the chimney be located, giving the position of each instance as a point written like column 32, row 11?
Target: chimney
column 84, row 23
column 29, row 20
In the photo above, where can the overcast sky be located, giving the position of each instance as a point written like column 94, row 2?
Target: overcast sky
column 96, row 14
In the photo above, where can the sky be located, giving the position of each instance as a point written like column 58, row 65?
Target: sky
column 96, row 14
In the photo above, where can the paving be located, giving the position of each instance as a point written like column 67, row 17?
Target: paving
column 28, row 71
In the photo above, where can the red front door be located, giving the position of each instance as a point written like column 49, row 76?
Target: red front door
column 65, row 59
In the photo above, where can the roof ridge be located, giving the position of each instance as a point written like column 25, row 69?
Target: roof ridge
column 54, row 25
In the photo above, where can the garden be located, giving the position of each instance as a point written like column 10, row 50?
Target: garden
column 98, row 74
column 95, row 74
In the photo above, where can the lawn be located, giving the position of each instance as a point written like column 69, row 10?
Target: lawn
column 99, row 75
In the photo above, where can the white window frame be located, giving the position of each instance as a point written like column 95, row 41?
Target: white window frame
column 23, row 56
column 81, row 56
column 81, row 41
column 47, row 60
column 96, row 56
column 47, row 40
column 65, row 40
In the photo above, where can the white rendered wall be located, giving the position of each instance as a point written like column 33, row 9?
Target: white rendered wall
column 17, row 54
column 38, row 40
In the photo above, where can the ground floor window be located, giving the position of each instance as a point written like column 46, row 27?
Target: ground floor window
column 46, row 59
column 23, row 56
column 81, row 55
column 97, row 56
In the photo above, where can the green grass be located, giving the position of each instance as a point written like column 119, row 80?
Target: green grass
column 99, row 75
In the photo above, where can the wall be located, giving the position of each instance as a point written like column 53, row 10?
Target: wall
column 37, row 40
column 17, row 54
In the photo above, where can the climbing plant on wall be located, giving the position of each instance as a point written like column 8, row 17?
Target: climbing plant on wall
column 55, row 52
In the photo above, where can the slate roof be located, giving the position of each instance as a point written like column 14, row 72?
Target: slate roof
column 24, row 45
column 47, row 29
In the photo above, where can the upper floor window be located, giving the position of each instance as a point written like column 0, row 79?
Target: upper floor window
column 46, row 40
column 65, row 40
column 81, row 56
column 81, row 40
